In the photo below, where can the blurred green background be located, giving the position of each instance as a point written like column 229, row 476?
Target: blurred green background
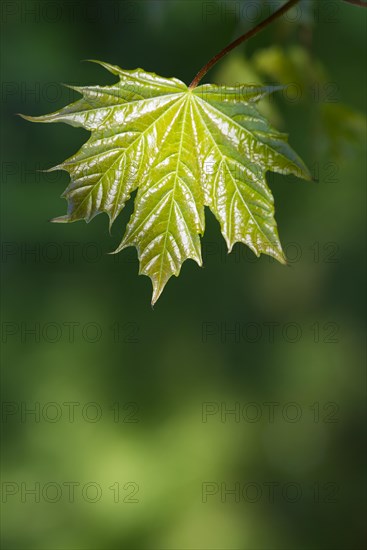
column 131, row 404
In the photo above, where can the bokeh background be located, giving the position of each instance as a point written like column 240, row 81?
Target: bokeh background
column 131, row 443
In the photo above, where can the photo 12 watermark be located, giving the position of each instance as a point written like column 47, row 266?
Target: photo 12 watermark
column 252, row 11
column 270, row 492
column 270, row 412
column 271, row 332
column 52, row 12
column 55, row 412
column 69, row 492
column 52, row 332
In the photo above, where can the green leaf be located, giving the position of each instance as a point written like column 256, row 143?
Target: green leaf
column 343, row 130
column 337, row 129
column 182, row 149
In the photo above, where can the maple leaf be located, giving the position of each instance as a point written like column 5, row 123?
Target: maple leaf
column 183, row 149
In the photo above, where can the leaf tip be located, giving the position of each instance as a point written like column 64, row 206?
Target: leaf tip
column 282, row 259
column 27, row 117
column 71, row 87
column 61, row 219
column 276, row 252
column 158, row 287
column 111, row 220
column 40, row 118
column 110, row 68
column 303, row 172
column 120, row 247
column 309, row 176
column 156, row 294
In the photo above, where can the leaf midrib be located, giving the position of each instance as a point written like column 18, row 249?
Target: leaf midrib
column 247, row 131
column 118, row 158
column 174, row 188
column 224, row 157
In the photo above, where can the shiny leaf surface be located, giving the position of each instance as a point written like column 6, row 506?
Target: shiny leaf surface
column 182, row 150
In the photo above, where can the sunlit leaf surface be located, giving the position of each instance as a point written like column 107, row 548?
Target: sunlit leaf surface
column 182, row 150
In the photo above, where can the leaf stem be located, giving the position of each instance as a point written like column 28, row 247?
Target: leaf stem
column 359, row 3
column 287, row 6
